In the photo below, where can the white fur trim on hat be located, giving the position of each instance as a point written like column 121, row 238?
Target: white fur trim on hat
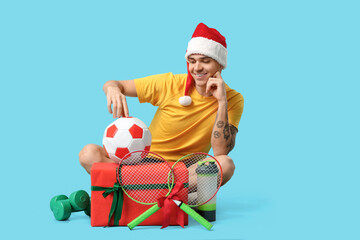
column 207, row 47
column 185, row 100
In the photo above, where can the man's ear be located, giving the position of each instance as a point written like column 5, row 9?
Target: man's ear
column 221, row 68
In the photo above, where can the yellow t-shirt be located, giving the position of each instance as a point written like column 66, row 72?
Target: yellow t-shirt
column 177, row 130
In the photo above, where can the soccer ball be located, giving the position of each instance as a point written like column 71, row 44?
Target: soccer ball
column 126, row 135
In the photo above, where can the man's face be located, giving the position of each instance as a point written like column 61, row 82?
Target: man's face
column 202, row 68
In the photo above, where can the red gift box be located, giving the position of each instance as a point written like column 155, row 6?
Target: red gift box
column 111, row 207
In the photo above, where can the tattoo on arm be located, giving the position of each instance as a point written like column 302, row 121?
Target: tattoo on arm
column 220, row 124
column 217, row 134
column 233, row 129
column 231, row 145
column 229, row 132
column 226, row 131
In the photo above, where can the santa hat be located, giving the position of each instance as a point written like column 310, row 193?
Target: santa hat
column 206, row 41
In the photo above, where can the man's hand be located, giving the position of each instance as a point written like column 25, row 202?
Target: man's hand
column 117, row 99
column 116, row 92
column 216, row 87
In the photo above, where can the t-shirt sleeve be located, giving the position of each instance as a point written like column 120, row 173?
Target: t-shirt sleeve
column 235, row 109
column 152, row 89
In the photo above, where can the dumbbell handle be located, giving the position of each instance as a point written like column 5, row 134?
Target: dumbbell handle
column 62, row 206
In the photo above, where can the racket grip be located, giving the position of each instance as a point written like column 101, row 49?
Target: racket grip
column 197, row 217
column 143, row 216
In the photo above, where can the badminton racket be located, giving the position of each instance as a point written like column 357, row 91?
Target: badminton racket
column 144, row 177
column 204, row 179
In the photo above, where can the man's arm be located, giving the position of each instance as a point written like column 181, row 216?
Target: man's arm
column 223, row 134
column 223, row 141
column 116, row 92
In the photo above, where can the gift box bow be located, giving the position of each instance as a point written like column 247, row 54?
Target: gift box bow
column 117, row 203
column 165, row 202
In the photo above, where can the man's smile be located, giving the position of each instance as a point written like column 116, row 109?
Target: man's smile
column 200, row 75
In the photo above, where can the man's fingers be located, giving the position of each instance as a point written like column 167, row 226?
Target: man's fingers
column 125, row 106
column 119, row 108
column 117, row 105
column 115, row 109
column 109, row 105
column 210, row 84
column 217, row 74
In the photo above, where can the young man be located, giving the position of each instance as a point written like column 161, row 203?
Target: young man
column 196, row 111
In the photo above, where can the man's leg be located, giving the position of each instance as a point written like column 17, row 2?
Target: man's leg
column 227, row 165
column 91, row 154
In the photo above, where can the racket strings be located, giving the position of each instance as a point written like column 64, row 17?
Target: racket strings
column 145, row 177
column 204, row 177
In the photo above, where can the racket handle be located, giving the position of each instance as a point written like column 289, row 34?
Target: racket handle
column 197, row 217
column 143, row 216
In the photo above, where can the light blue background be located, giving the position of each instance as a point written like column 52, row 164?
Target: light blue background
column 295, row 62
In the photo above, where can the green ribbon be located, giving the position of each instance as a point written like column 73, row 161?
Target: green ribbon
column 150, row 186
column 117, row 203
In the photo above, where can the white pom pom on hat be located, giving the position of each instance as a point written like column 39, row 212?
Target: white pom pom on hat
column 185, row 100
column 209, row 42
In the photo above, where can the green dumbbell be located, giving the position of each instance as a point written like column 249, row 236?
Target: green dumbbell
column 88, row 209
column 62, row 206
